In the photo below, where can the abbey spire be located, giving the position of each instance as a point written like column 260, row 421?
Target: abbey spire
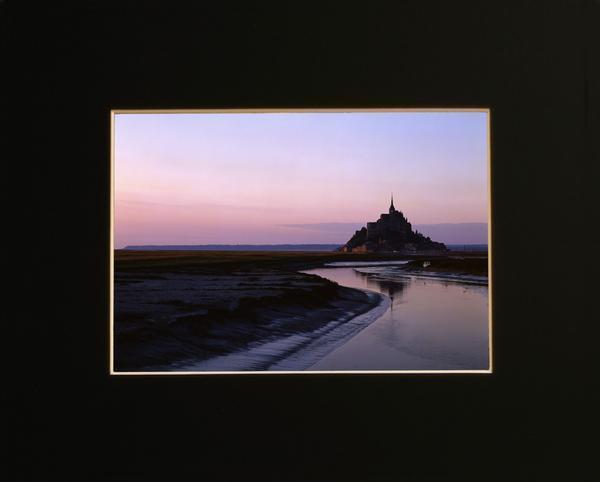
column 392, row 208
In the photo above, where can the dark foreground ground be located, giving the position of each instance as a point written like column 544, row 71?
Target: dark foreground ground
column 173, row 307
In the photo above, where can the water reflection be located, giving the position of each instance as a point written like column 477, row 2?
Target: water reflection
column 432, row 324
column 390, row 287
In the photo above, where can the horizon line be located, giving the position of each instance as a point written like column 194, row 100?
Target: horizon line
column 267, row 244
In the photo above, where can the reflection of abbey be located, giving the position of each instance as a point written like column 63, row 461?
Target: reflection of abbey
column 392, row 233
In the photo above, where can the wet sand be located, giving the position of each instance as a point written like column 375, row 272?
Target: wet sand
column 180, row 311
column 172, row 319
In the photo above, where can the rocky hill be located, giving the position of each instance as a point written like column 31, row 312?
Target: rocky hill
column 391, row 233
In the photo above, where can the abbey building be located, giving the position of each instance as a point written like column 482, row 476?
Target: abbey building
column 391, row 233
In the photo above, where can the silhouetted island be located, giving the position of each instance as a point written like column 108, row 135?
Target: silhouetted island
column 392, row 233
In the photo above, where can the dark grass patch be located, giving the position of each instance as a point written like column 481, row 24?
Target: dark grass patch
column 468, row 265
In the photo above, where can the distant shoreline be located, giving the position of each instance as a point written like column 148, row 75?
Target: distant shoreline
column 273, row 247
column 234, row 247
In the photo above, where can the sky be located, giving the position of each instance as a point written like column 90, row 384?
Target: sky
column 278, row 178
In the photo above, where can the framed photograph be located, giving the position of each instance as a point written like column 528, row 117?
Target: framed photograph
column 270, row 242
column 301, row 241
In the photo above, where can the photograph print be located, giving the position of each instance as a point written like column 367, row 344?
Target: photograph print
column 300, row 241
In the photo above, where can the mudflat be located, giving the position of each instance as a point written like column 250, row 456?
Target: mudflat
column 175, row 308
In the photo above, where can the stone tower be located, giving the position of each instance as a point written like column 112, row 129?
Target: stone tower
column 392, row 208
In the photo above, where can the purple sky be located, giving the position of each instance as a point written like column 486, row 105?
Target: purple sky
column 244, row 178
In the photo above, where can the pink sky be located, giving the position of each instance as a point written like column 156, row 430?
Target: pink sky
column 240, row 178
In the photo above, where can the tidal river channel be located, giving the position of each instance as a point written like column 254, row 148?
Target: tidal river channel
column 432, row 323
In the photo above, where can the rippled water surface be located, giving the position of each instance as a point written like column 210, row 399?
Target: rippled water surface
column 431, row 324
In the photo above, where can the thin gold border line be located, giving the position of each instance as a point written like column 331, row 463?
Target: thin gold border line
column 285, row 110
column 112, row 241
column 307, row 372
column 489, row 243
column 114, row 112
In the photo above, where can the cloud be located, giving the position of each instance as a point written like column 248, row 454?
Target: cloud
column 326, row 227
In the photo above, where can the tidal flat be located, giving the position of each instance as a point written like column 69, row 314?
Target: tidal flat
column 198, row 311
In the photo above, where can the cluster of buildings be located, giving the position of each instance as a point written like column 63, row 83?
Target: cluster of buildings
column 391, row 233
